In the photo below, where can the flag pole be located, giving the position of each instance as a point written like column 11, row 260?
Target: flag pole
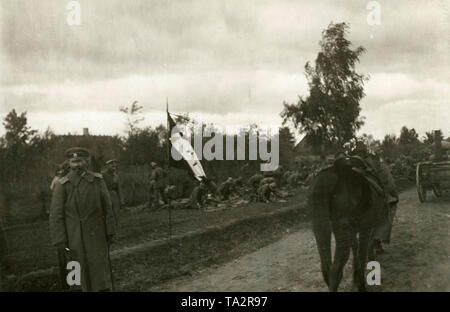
column 168, row 164
column 167, row 133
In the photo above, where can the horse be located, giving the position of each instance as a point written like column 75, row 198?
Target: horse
column 344, row 203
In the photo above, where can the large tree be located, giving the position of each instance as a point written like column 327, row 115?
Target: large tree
column 286, row 146
column 134, row 117
column 16, row 145
column 330, row 114
column 408, row 136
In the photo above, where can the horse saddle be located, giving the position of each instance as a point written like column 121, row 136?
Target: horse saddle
column 360, row 166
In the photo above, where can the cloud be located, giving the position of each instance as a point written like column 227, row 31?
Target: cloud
column 139, row 37
column 422, row 115
column 211, row 92
column 217, row 58
column 395, row 86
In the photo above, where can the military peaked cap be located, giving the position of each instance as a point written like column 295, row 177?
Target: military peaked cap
column 76, row 152
column 111, row 161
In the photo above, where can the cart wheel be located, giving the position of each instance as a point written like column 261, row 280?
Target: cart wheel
column 437, row 191
column 421, row 191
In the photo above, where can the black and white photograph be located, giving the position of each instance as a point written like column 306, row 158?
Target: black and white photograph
column 224, row 146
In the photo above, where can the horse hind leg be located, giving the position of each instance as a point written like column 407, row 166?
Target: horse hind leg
column 344, row 240
column 322, row 233
column 355, row 249
column 361, row 259
column 371, row 249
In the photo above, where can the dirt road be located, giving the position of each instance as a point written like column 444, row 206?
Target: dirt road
column 416, row 260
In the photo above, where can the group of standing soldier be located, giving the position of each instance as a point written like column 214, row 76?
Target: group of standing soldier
column 157, row 186
column 85, row 215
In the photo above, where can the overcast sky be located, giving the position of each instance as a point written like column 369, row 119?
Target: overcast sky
column 227, row 62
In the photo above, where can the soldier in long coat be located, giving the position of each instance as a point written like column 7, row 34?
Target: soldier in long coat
column 82, row 220
column 113, row 184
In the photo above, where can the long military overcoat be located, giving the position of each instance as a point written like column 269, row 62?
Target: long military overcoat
column 115, row 192
column 81, row 216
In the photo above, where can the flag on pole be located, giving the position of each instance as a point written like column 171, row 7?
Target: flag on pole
column 182, row 150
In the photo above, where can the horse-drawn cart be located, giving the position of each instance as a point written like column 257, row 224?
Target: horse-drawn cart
column 434, row 175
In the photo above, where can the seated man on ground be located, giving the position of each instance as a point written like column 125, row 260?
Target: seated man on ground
column 198, row 196
column 227, row 189
column 265, row 192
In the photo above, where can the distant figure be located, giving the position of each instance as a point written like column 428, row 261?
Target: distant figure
column 294, row 179
column 267, row 180
column 171, row 192
column 198, row 196
column 245, row 170
column 266, row 190
column 227, row 188
column 286, row 175
column 112, row 181
column 278, row 175
column 238, row 182
column 61, row 171
column 82, row 221
column 212, row 187
column 360, row 150
column 254, row 181
column 253, row 184
column 239, row 186
column 157, row 185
